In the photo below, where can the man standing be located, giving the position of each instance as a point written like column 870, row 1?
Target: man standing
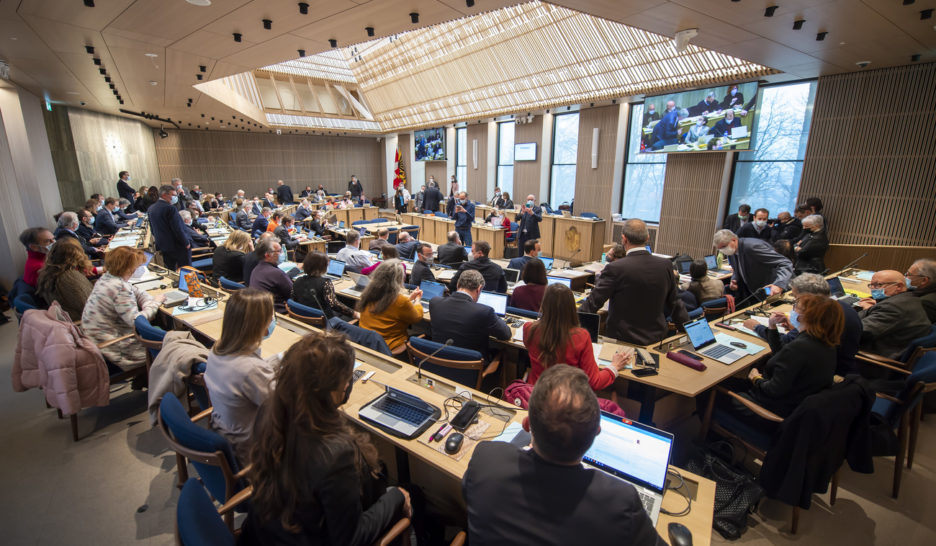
column 464, row 213
column 420, row 199
column 530, row 217
column 812, row 247
column 892, row 317
column 544, row 494
column 642, row 290
column 270, row 278
column 183, row 200
column 356, row 189
column 168, row 230
column 787, row 228
column 124, row 189
column 432, row 199
column 757, row 229
column 667, row 132
column 462, row 319
column 196, row 193
column 755, row 264
column 283, row 193
column 453, row 252
column 494, row 279
column 735, row 221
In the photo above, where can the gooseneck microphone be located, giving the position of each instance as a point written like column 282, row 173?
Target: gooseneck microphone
column 447, row 343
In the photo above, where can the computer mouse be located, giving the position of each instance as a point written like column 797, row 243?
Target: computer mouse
column 679, row 535
column 453, row 442
column 738, row 344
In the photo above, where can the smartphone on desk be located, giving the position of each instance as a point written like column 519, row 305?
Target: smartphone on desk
column 644, row 372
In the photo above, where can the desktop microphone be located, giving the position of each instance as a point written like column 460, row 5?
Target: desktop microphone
column 852, row 263
column 752, row 295
column 447, row 343
column 569, row 259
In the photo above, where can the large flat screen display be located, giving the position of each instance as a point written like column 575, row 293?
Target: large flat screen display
column 703, row 120
column 430, row 144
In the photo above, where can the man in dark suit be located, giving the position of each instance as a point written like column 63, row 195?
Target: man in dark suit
column 724, row 126
column 104, row 222
column 735, row 221
column 642, row 290
column 705, row 106
column 124, row 190
column 356, row 189
column 168, row 230
column 494, row 279
column 86, row 229
column 432, row 199
column 124, row 211
column 667, row 131
column 67, row 227
column 422, row 268
column 787, row 228
column 406, row 245
column 528, row 221
column 892, row 317
column 183, row 197
column 544, row 494
column 261, row 222
column 196, row 238
column 303, row 211
column 650, row 115
column 452, row 253
column 242, row 218
column 758, row 229
column 464, row 214
column 531, row 250
column 462, row 319
column 283, row 193
column 755, row 263
column 922, row 277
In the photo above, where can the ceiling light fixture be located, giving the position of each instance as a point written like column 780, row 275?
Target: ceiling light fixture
column 202, row 68
column 237, row 36
column 303, row 8
column 198, row 76
column 414, row 17
column 153, row 83
column 150, row 55
column 926, row 14
column 96, row 61
column 469, row 3
column 798, row 24
column 89, row 49
column 89, row 3
column 200, row 3
column 102, row 71
column 268, row 24
column 820, row 36
column 770, row 11
column 107, row 79
column 369, row 30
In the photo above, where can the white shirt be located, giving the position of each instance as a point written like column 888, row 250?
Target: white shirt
column 356, row 258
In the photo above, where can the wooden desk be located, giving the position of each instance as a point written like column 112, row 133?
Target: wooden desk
column 547, row 235
column 354, row 215
column 492, row 235
column 578, row 239
column 483, row 211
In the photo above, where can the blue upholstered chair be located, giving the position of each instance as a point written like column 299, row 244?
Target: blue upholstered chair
column 589, row 215
column 463, row 366
column 198, row 522
column 441, row 214
column 511, row 235
column 362, row 336
column 309, row 315
column 715, row 308
column 526, row 313
column 228, row 284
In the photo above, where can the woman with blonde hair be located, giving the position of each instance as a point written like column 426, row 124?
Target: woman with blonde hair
column 236, row 375
column 114, row 305
column 228, row 259
column 385, row 309
column 64, row 277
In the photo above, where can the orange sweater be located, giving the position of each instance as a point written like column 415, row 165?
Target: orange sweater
column 393, row 322
column 271, row 226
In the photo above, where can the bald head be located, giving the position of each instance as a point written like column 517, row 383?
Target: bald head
column 891, row 281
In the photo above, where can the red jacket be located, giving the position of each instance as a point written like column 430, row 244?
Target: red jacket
column 34, row 262
column 578, row 353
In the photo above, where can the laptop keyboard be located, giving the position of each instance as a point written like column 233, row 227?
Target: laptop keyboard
column 647, row 501
column 849, row 300
column 403, row 412
column 717, row 351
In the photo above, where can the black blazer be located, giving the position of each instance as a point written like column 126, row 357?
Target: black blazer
column 451, row 254
column 197, row 238
column 810, row 257
column 167, row 227
column 126, row 191
column 748, row 230
column 790, row 231
column 62, row 233
column 467, row 323
column 513, row 496
column 432, row 199
column 757, row 264
column 494, row 279
column 528, row 226
column 228, row 264
column 798, row 369
column 242, row 221
column 284, row 194
column 642, row 288
column 421, row 272
column 733, row 222
column 104, row 223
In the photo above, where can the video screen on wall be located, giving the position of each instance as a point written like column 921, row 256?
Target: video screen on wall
column 430, row 144
column 702, row 120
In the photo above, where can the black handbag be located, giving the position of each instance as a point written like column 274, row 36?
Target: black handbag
column 737, row 493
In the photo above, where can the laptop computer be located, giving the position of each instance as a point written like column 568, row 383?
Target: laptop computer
column 335, row 269
column 738, row 132
column 512, row 275
column 838, row 292
column 684, row 266
column 590, row 322
column 703, row 341
column 341, row 224
column 558, row 280
column 635, row 453
column 496, row 301
column 139, row 221
column 712, row 263
column 548, row 262
column 400, row 414
column 430, row 289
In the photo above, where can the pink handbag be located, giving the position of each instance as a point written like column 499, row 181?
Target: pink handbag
column 518, row 393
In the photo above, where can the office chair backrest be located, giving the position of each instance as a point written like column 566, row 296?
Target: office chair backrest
column 362, row 336
column 461, row 365
column 228, row 284
column 925, row 342
column 522, row 312
column 197, row 520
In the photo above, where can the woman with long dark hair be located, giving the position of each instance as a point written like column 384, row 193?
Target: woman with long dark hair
column 315, row 478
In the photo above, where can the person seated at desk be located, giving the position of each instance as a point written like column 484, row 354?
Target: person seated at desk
column 303, row 211
column 724, row 126
column 708, row 105
column 453, row 252
column 697, row 131
column 667, row 131
column 242, row 218
column 494, row 279
column 354, row 258
column 228, row 259
column 275, row 220
column 758, row 229
column 321, row 191
column 236, row 375
column 734, row 98
column 529, row 295
column 531, row 250
column 113, row 306
column 123, row 212
column 382, row 240
column 755, row 265
column 406, row 245
column 788, row 227
column 811, row 249
column 703, row 287
column 497, row 219
column 422, row 267
column 314, row 289
column 544, row 495
column 386, row 310
column 462, row 319
column 811, row 283
column 268, row 201
column 318, row 225
column 267, row 276
column 307, row 192
column 38, row 241
column 922, row 276
column 262, row 221
column 68, row 229
column 640, row 287
column 347, row 202
column 892, row 317
column 252, row 259
column 463, row 213
column 388, row 252
column 315, row 477
column 64, row 277
column 503, row 202
column 104, row 222
column 196, row 238
column 556, row 338
column 86, row 229
column 797, row 369
column 282, row 232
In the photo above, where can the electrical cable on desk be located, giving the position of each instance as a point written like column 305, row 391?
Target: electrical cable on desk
column 682, row 485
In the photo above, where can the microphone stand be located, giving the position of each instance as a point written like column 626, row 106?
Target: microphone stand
column 447, row 343
column 853, row 262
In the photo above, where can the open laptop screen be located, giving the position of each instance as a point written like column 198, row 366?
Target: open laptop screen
column 835, row 286
column 700, row 333
column 496, row 301
column 513, row 275
column 336, row 268
column 631, row 451
column 548, row 262
column 711, row 262
column 590, row 322
column 559, row 280
column 431, row 289
column 684, row 267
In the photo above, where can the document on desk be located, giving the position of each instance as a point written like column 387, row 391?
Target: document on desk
column 124, row 242
column 517, row 335
column 509, row 433
column 865, row 276
column 597, row 348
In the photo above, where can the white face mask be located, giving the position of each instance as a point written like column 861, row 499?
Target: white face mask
column 728, row 251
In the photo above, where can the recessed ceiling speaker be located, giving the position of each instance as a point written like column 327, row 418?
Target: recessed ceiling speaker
column 333, row 42
column 770, row 11
column 96, row 61
column 301, row 53
column 469, row 3
column 237, row 36
column 414, row 17
column 798, row 24
column 370, row 30
column 89, row 49
column 267, row 24
column 821, row 36
column 303, row 8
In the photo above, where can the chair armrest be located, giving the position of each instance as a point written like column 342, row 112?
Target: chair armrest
column 758, row 410
column 491, row 367
column 235, row 500
column 888, row 397
column 115, row 340
column 243, row 472
column 459, row 539
column 398, row 529
column 882, row 362
column 201, row 415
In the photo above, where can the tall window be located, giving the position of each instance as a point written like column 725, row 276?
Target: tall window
column 643, row 174
column 565, row 151
column 461, row 159
column 505, row 156
column 769, row 176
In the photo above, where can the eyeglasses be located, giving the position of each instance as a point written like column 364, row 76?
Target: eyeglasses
column 909, row 274
column 880, row 284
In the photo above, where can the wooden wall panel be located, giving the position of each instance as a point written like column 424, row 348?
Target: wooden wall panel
column 878, row 257
column 64, row 159
column 228, row 161
column 593, row 187
column 106, row 145
column 870, row 156
column 436, row 169
column 688, row 214
column 477, row 178
column 527, row 173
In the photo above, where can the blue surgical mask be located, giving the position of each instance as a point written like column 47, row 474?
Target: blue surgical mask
column 530, row 204
column 878, row 294
column 794, row 319
column 760, row 223
column 270, row 328
column 909, row 286
column 92, row 221
column 175, row 199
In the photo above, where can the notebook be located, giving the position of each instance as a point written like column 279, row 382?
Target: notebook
column 495, row 301
column 703, row 341
column 635, row 453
